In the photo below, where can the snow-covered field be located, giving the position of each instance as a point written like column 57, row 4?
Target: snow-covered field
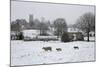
column 31, row 52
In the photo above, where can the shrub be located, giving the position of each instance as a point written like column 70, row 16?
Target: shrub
column 80, row 37
column 20, row 36
column 65, row 37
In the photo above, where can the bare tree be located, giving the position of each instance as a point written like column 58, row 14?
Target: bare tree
column 15, row 25
column 60, row 26
column 18, row 24
column 36, row 22
column 43, row 26
column 86, row 23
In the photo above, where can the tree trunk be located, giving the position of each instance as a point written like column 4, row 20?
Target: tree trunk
column 88, row 30
column 88, row 37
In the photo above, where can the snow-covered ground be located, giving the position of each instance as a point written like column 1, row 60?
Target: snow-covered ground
column 31, row 52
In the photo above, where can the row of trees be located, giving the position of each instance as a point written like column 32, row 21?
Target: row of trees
column 58, row 26
column 85, row 23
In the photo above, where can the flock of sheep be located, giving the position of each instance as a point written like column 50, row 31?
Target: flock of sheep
column 57, row 49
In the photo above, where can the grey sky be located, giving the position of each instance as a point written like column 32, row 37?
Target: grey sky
column 21, row 10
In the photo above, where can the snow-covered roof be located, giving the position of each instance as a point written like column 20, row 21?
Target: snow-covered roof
column 75, row 30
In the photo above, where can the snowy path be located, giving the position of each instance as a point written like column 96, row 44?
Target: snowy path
column 31, row 52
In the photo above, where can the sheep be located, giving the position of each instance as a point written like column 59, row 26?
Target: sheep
column 76, row 47
column 58, row 49
column 47, row 48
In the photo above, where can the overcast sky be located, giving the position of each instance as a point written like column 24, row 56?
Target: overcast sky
column 21, row 10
